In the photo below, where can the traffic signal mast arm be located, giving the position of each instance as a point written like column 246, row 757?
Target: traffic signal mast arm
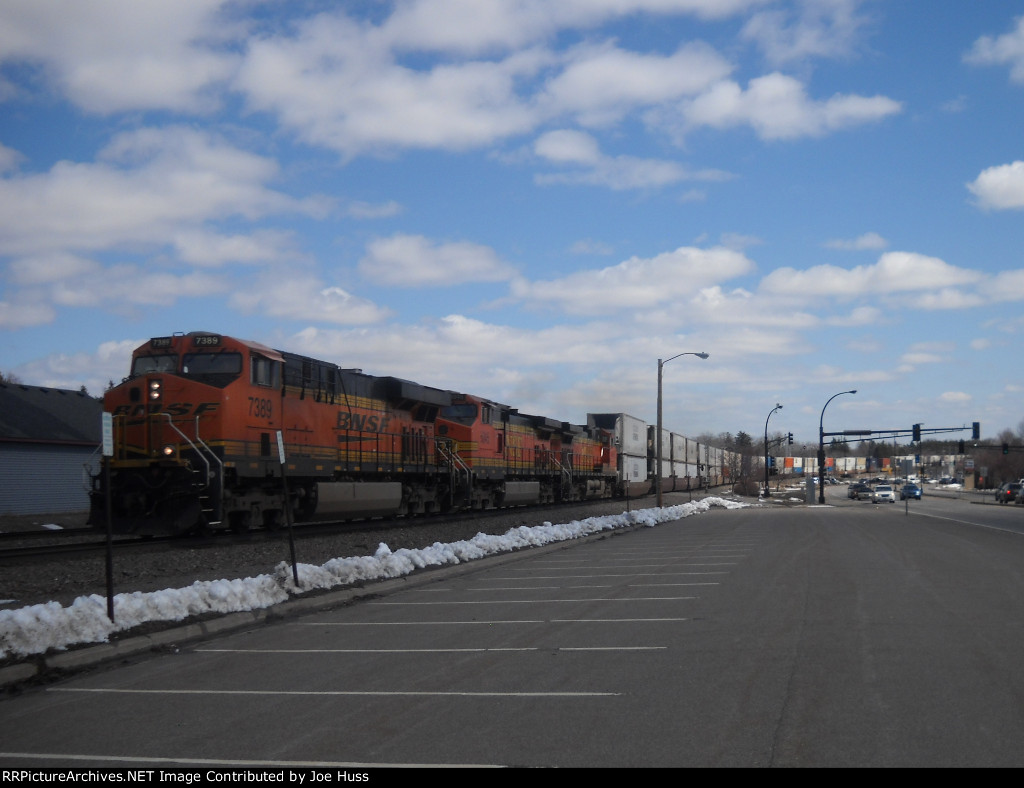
column 914, row 433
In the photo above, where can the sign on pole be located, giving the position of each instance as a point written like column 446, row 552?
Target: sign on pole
column 107, row 427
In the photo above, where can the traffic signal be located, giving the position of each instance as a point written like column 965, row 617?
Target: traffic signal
column 976, row 430
column 1006, row 448
column 960, row 447
column 771, row 462
column 917, row 432
column 791, row 438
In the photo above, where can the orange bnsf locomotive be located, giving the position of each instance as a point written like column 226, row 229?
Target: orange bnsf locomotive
column 210, row 431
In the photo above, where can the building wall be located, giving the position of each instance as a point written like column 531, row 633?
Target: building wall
column 44, row 479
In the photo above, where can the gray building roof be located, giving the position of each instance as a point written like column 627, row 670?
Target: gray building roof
column 39, row 414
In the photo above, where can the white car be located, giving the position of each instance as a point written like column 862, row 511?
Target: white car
column 883, row 492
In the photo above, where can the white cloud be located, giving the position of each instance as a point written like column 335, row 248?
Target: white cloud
column 116, row 55
column 602, row 83
column 305, row 298
column 147, row 186
column 568, row 147
column 364, row 210
column 197, row 247
column 865, row 241
column 916, row 358
column 1007, row 49
column 813, row 28
column 1000, row 187
column 1008, row 286
column 415, row 261
column 9, row 158
column 777, row 107
column 25, row 312
column 637, row 283
column 895, row 272
column 336, row 85
column 485, row 25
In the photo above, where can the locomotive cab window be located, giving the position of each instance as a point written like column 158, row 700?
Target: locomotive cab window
column 215, row 369
column 156, row 363
column 264, row 372
column 464, row 414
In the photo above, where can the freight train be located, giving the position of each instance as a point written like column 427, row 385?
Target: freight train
column 210, row 431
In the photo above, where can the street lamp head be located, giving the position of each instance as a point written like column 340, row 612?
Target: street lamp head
column 701, row 355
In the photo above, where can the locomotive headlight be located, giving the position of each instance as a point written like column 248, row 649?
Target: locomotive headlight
column 168, row 450
column 154, row 389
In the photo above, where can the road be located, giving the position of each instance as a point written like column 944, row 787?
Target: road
column 853, row 634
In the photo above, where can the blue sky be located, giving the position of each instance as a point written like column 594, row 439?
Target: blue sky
column 532, row 200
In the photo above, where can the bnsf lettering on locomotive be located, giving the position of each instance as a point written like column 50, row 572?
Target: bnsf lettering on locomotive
column 361, row 422
column 173, row 408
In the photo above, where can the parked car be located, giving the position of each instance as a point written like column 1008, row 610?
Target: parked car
column 854, row 490
column 1008, row 492
column 883, row 494
column 910, row 491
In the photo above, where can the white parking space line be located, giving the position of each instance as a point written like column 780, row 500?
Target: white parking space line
column 606, row 574
column 418, row 650
column 539, row 601
column 484, row 622
column 63, row 757
column 533, row 588
column 333, row 693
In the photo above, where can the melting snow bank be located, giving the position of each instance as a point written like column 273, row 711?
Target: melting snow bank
column 38, row 628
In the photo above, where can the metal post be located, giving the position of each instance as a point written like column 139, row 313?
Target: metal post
column 821, row 446
column 766, row 492
column 658, row 448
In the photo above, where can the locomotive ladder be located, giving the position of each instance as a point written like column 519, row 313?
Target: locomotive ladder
column 211, row 504
column 446, row 449
column 566, row 471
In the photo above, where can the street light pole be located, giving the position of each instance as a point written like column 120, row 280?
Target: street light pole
column 766, row 493
column 657, row 459
column 821, row 446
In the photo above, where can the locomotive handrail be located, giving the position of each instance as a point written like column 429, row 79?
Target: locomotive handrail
column 218, row 513
column 200, row 454
column 446, row 448
column 88, row 478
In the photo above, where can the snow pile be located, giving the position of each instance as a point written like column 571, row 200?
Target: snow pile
column 39, row 628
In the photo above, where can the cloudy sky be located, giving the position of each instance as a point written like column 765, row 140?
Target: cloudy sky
column 532, row 200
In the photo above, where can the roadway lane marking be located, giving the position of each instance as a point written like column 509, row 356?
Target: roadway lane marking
column 307, row 693
column 968, row 522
